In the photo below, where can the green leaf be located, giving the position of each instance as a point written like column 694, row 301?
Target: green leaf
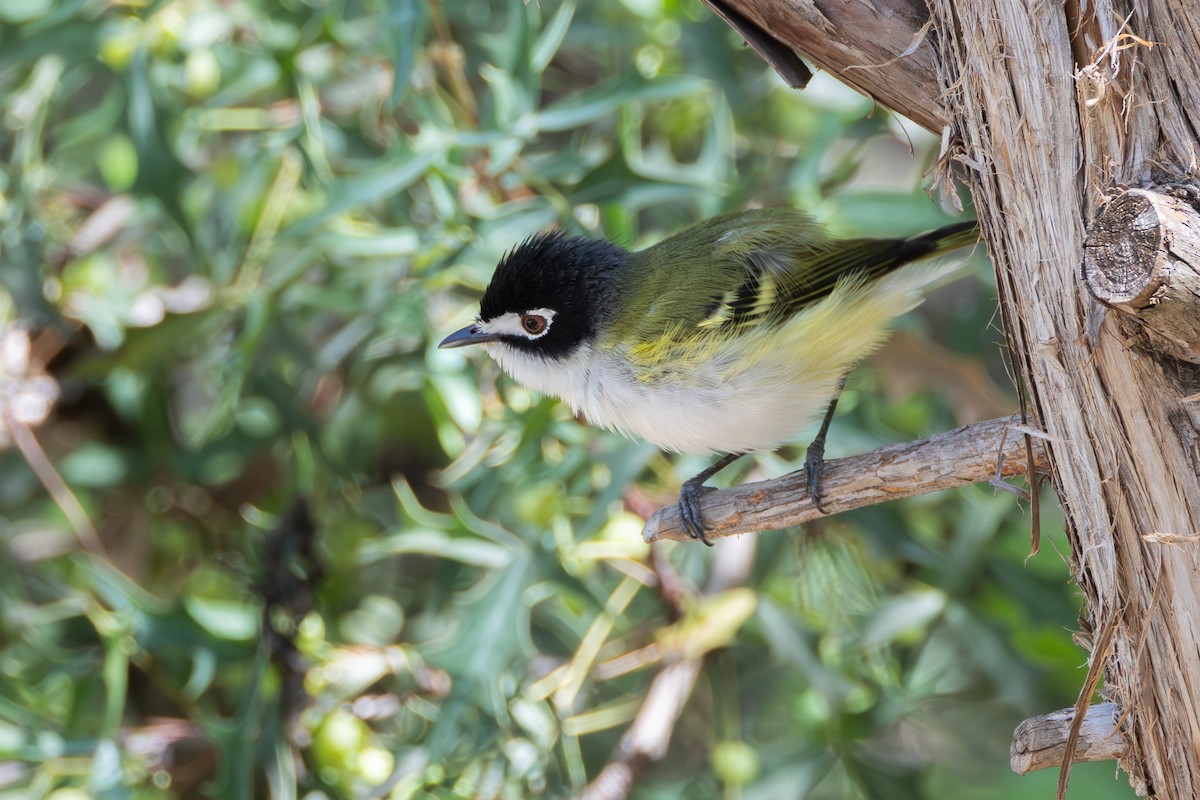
column 370, row 186
column 405, row 22
column 552, row 36
column 905, row 616
column 159, row 171
column 590, row 105
column 494, row 621
column 19, row 12
column 436, row 544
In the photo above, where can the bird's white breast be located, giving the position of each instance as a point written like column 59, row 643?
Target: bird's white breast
column 702, row 414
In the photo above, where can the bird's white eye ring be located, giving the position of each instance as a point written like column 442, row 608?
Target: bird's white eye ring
column 534, row 324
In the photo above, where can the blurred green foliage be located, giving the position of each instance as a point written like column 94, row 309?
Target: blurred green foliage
column 301, row 553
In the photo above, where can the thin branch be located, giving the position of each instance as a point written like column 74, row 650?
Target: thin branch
column 648, row 737
column 57, row 488
column 963, row 456
column 1100, row 653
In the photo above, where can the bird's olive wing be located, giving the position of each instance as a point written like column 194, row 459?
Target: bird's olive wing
column 780, row 274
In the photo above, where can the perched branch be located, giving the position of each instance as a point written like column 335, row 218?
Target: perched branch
column 1142, row 257
column 966, row 455
column 1041, row 742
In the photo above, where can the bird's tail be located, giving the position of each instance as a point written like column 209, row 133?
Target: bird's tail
column 936, row 255
column 938, row 242
column 960, row 234
column 931, row 259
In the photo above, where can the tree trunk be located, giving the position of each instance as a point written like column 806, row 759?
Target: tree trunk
column 1052, row 108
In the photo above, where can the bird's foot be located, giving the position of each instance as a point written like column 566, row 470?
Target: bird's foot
column 689, row 507
column 814, row 470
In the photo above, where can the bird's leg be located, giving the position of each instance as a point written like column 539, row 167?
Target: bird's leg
column 691, row 492
column 814, row 457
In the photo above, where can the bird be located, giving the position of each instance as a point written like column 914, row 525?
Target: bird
column 731, row 336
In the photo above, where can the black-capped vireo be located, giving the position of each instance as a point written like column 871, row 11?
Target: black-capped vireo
column 731, row 336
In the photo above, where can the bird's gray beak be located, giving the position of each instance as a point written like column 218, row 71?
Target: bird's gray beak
column 468, row 335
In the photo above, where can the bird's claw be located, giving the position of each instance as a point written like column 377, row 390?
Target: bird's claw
column 814, row 470
column 689, row 509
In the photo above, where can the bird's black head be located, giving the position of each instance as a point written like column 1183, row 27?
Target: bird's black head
column 548, row 295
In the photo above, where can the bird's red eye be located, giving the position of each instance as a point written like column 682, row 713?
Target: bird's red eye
column 533, row 324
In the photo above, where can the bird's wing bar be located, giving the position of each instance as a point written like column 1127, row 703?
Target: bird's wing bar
column 784, row 277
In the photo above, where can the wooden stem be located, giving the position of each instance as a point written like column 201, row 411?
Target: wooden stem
column 970, row 454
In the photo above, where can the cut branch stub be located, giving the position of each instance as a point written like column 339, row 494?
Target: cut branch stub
column 1042, row 741
column 1142, row 257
